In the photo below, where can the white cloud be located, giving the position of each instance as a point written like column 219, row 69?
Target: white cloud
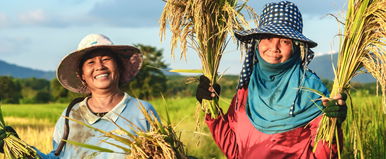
column 3, row 20
column 325, row 53
column 124, row 13
column 33, row 17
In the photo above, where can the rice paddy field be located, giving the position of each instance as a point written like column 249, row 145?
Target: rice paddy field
column 366, row 123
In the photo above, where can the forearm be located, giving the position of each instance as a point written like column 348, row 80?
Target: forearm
column 223, row 133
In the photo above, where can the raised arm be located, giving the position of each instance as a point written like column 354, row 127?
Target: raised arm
column 223, row 133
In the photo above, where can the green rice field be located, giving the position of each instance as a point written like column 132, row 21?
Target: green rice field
column 365, row 124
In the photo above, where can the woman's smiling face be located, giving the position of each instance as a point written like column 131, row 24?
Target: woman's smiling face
column 275, row 50
column 100, row 71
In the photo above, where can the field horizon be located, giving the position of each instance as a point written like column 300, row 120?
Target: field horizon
column 35, row 123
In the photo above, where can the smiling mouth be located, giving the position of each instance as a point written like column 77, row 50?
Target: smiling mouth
column 101, row 76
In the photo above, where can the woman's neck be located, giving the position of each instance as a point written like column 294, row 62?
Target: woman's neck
column 104, row 102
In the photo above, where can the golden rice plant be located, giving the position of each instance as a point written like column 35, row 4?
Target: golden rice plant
column 160, row 142
column 15, row 148
column 205, row 25
column 361, row 46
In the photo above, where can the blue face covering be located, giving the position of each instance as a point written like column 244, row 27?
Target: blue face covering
column 275, row 103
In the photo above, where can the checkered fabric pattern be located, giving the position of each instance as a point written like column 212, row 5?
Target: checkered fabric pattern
column 249, row 61
column 283, row 19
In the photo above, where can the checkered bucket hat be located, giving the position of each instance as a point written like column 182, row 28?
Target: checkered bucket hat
column 283, row 19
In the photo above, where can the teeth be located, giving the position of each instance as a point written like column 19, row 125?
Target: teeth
column 100, row 76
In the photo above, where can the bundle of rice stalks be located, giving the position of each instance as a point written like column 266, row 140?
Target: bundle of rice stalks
column 14, row 148
column 160, row 142
column 361, row 46
column 205, row 25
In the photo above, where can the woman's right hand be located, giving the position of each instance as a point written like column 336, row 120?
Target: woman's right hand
column 336, row 107
column 206, row 91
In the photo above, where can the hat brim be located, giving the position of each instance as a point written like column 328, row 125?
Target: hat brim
column 280, row 30
column 67, row 70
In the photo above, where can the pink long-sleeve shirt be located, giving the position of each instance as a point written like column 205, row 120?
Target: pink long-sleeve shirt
column 238, row 138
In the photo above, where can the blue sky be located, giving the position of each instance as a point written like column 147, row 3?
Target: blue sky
column 39, row 33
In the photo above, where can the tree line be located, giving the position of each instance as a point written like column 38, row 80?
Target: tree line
column 147, row 85
column 151, row 82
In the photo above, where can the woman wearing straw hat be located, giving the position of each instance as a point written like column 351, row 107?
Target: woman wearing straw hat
column 271, row 116
column 97, row 69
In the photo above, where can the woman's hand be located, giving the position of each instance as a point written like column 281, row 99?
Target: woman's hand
column 336, row 107
column 206, row 91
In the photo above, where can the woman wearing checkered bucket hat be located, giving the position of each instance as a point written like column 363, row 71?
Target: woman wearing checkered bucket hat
column 96, row 69
column 270, row 116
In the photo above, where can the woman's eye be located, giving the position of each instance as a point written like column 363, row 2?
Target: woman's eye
column 90, row 62
column 286, row 41
column 106, row 59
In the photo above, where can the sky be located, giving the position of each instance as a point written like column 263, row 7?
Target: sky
column 39, row 33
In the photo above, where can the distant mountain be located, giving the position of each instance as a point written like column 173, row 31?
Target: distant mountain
column 7, row 69
column 322, row 66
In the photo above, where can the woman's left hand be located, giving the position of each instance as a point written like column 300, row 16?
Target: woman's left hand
column 336, row 107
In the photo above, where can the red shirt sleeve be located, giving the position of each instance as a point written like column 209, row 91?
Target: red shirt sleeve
column 244, row 141
column 223, row 133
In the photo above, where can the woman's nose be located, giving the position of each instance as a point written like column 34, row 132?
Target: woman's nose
column 99, row 65
column 274, row 45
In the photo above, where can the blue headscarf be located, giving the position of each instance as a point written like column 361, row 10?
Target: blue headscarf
column 275, row 101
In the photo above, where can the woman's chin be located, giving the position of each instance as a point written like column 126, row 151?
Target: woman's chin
column 104, row 86
column 273, row 61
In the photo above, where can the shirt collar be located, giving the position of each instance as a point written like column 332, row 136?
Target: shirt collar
column 112, row 115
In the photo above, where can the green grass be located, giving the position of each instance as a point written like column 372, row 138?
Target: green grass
column 36, row 111
column 366, row 123
column 199, row 142
column 182, row 113
column 367, row 116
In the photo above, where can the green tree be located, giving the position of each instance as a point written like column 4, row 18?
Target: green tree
column 42, row 97
column 58, row 92
column 150, row 81
column 9, row 90
column 35, row 84
column 34, row 89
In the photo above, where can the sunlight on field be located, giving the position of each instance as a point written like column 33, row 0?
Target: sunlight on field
column 35, row 123
column 35, row 132
column 182, row 111
column 19, row 122
column 40, row 137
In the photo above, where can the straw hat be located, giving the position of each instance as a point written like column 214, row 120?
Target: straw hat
column 283, row 19
column 67, row 72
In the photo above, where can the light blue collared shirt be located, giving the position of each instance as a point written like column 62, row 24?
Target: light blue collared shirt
column 126, row 109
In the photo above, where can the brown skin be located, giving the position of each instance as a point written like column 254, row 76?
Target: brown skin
column 339, row 100
column 100, row 74
column 276, row 50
